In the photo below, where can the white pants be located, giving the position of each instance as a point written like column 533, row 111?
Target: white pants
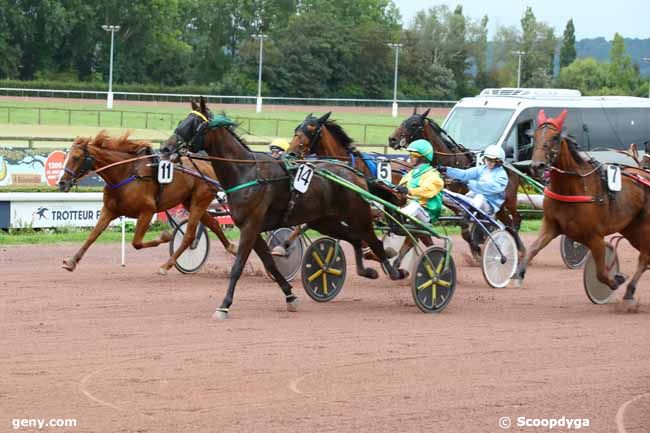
column 414, row 209
column 479, row 201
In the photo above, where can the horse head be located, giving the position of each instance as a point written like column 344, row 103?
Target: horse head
column 189, row 132
column 307, row 134
column 409, row 130
column 547, row 141
column 78, row 163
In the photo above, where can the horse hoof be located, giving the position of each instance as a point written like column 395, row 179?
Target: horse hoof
column 162, row 271
column 293, row 306
column 403, row 273
column 390, row 252
column 618, row 280
column 516, row 283
column 69, row 265
column 279, row 251
column 370, row 273
column 220, row 314
column 165, row 237
column 630, row 305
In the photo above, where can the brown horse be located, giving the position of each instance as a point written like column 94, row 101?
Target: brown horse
column 261, row 199
column 452, row 154
column 577, row 203
column 326, row 138
column 132, row 190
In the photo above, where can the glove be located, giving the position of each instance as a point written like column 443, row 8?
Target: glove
column 402, row 189
column 442, row 169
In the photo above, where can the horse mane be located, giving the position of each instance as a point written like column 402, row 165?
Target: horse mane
column 339, row 134
column 121, row 144
column 572, row 145
column 446, row 138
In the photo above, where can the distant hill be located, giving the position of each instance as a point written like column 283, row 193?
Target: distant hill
column 598, row 48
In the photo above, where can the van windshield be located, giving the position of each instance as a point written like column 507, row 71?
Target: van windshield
column 477, row 127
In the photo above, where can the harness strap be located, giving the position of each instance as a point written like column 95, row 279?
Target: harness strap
column 198, row 113
column 569, row 198
column 242, row 186
column 122, row 183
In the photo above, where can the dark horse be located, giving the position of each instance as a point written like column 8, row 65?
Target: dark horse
column 577, row 203
column 452, row 154
column 259, row 195
column 326, row 138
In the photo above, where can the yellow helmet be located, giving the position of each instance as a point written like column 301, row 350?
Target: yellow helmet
column 279, row 144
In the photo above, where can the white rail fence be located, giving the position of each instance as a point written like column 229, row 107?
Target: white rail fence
column 233, row 99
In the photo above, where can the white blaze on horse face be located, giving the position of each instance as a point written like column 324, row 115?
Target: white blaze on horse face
column 65, row 164
column 403, row 143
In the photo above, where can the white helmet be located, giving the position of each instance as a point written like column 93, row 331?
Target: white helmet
column 495, row 152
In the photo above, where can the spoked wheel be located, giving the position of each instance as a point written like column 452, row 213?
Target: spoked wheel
column 196, row 254
column 597, row 292
column 499, row 258
column 574, row 254
column 323, row 270
column 289, row 265
column 433, row 284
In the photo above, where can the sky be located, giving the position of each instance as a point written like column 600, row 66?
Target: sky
column 591, row 18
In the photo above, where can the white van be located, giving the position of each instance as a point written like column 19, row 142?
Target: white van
column 504, row 116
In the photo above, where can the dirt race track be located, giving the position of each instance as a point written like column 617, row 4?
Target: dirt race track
column 126, row 350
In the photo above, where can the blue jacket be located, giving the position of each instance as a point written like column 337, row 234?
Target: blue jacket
column 481, row 180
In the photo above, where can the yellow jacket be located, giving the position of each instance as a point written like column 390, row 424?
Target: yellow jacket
column 424, row 184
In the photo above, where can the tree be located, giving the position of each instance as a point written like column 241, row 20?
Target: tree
column 477, row 50
column 587, row 75
column 538, row 42
column 621, row 72
column 568, row 50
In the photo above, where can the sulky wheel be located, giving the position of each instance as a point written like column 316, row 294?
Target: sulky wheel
column 196, row 254
column 574, row 254
column 499, row 258
column 323, row 269
column 432, row 284
column 290, row 264
column 597, row 292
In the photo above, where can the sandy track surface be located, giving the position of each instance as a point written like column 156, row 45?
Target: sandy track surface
column 126, row 350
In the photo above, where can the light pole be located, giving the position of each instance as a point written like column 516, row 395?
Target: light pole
column 109, row 98
column 520, row 54
column 647, row 60
column 258, row 106
column 397, row 47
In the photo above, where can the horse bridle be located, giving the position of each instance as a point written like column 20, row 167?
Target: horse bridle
column 313, row 136
column 195, row 142
column 414, row 133
column 87, row 165
column 551, row 153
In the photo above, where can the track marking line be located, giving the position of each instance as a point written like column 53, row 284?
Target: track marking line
column 620, row 414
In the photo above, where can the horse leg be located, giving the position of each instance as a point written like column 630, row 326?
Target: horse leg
column 642, row 265
column 141, row 227
column 339, row 231
column 188, row 238
column 263, row 252
column 216, row 228
column 597, row 247
column 105, row 218
column 378, row 248
column 249, row 234
column 548, row 232
column 281, row 250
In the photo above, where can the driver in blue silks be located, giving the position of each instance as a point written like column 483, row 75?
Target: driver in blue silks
column 487, row 183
